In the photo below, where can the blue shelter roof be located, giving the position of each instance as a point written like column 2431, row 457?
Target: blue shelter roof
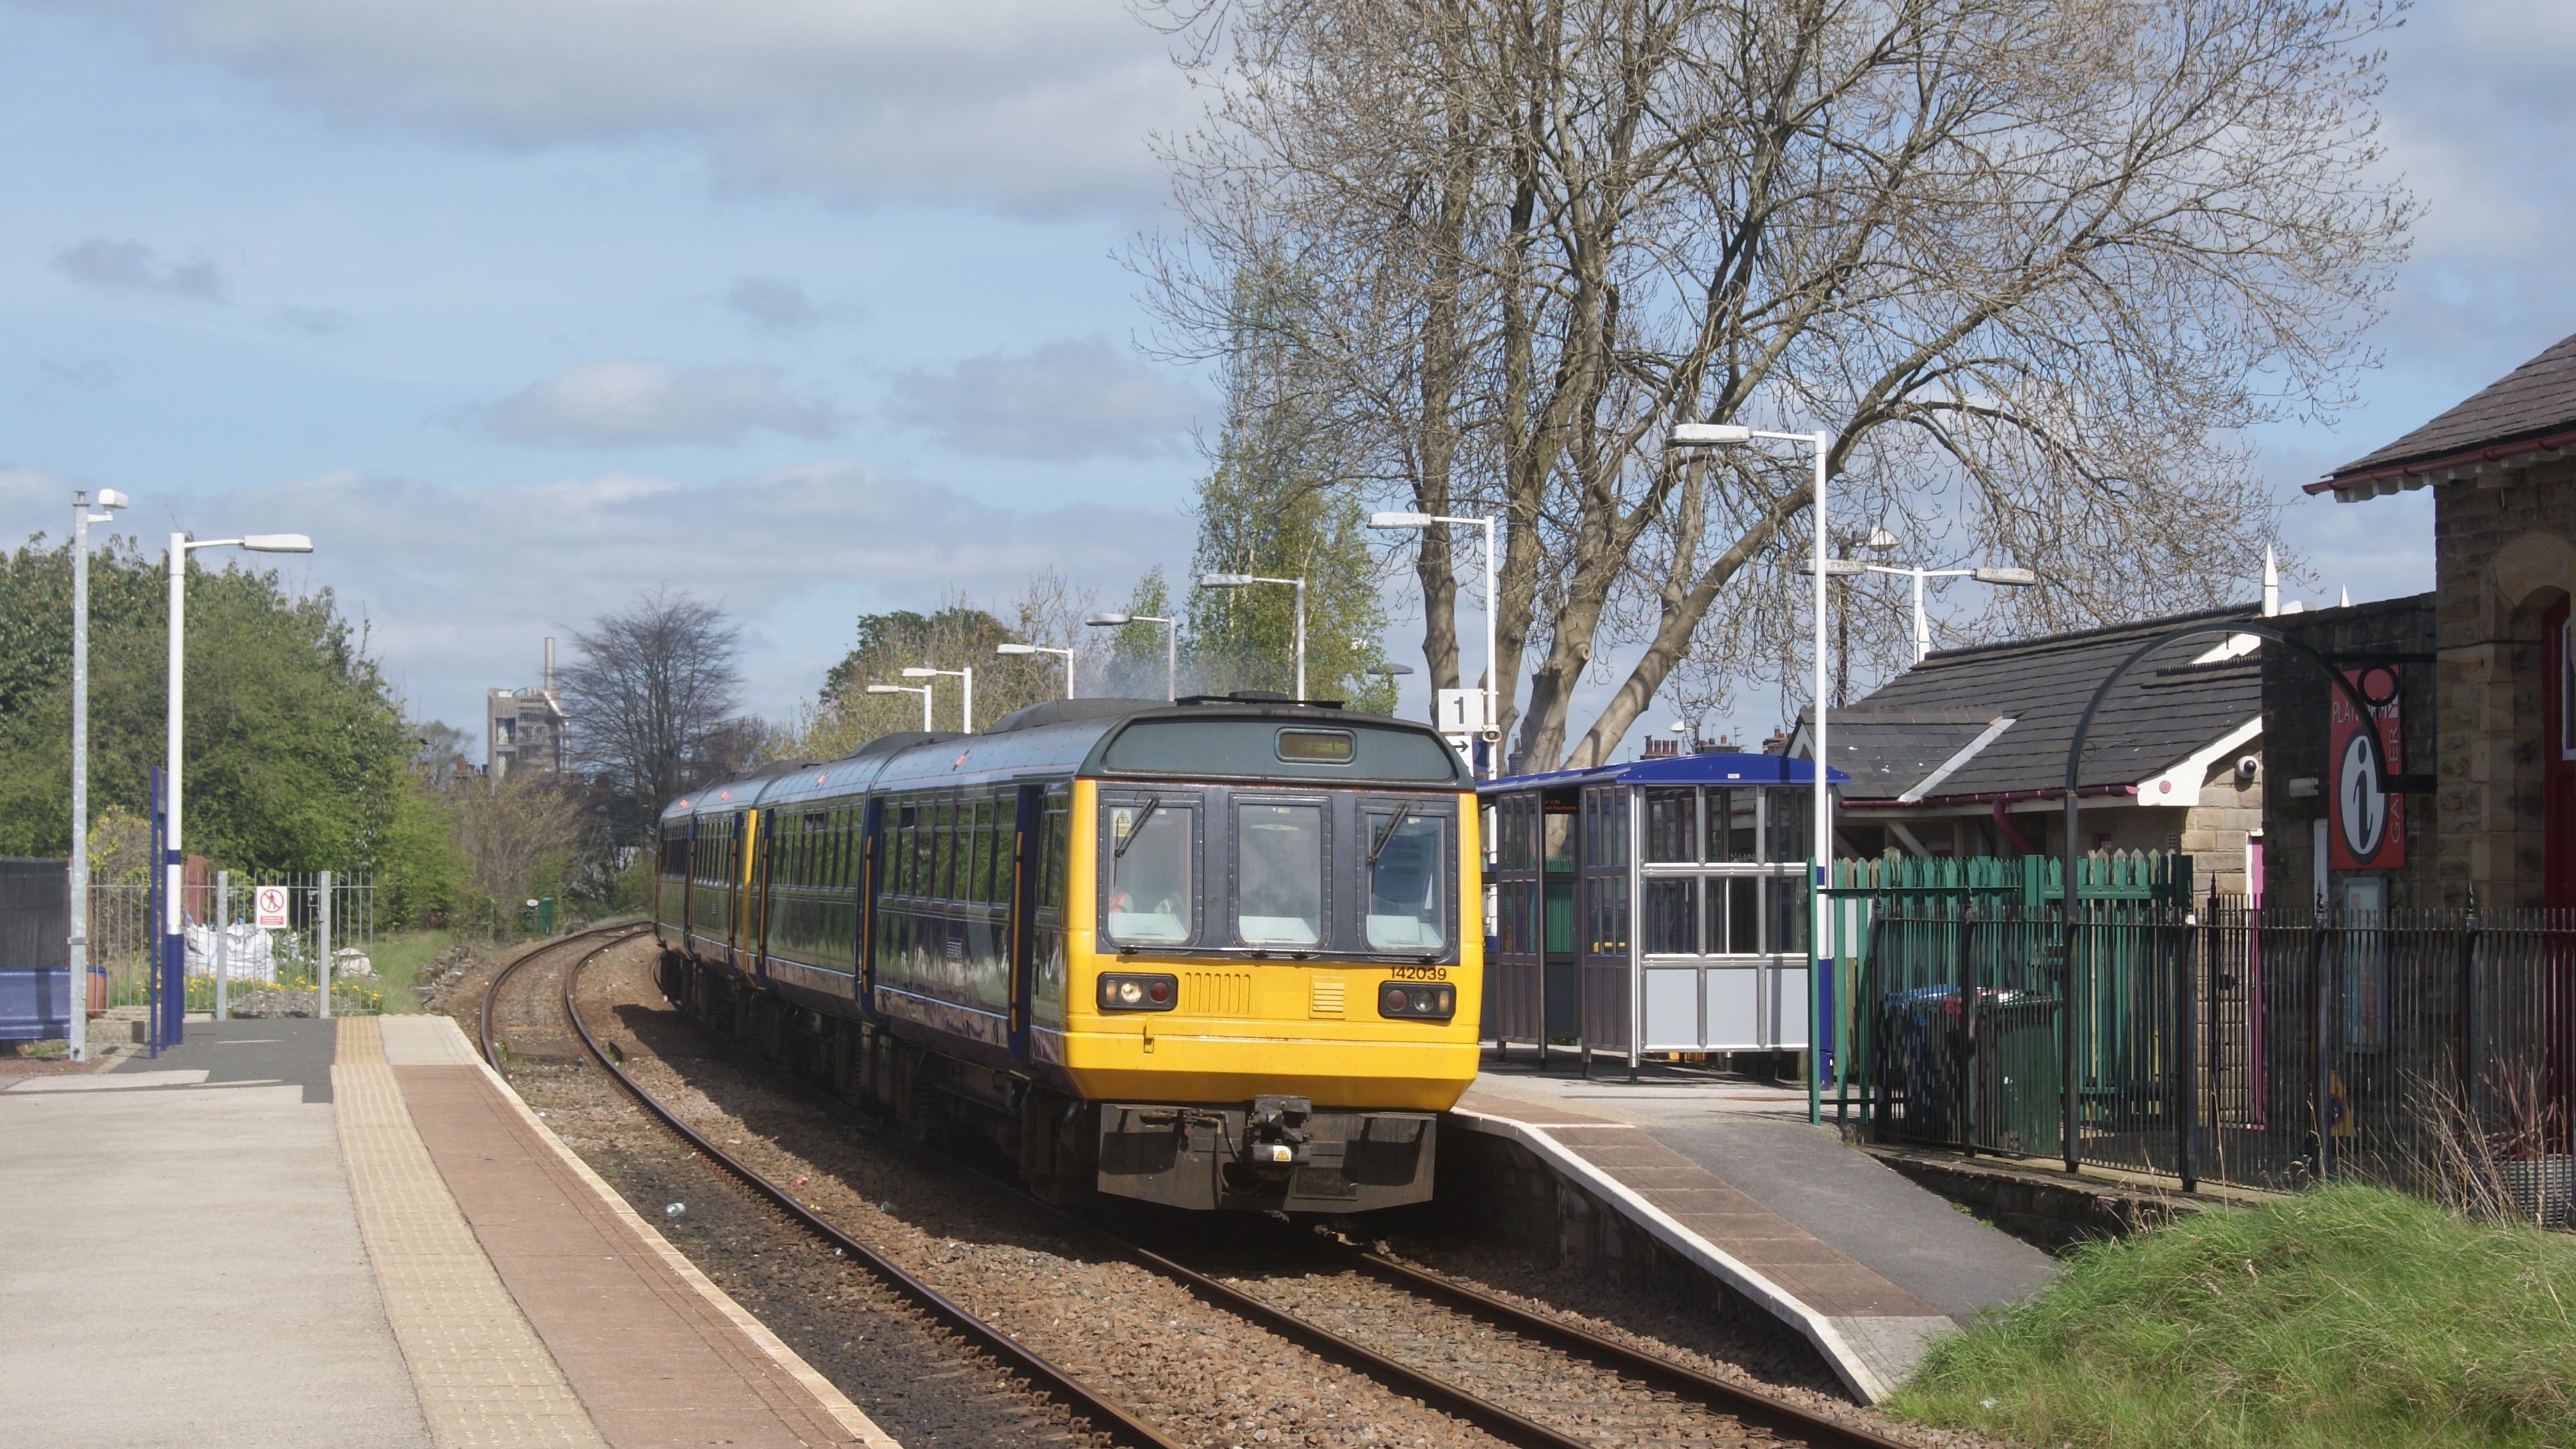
column 1717, row 767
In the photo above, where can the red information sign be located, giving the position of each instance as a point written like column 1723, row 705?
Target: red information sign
column 2366, row 827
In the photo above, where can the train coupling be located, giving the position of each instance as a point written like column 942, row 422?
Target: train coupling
column 1275, row 1139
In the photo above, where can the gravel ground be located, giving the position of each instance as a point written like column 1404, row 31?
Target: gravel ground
column 919, row 1383
column 1192, row 1370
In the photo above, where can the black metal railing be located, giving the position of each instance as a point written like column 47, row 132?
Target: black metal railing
column 2268, row 1048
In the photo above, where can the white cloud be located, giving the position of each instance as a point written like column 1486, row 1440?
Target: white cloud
column 314, row 321
column 116, row 264
column 460, row 585
column 1077, row 398
column 1033, row 103
column 777, row 307
column 629, row 402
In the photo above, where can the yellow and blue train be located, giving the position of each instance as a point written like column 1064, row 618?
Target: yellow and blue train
column 1222, row 953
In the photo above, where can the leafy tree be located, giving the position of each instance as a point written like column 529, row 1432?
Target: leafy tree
column 957, row 635
column 1270, row 506
column 296, row 750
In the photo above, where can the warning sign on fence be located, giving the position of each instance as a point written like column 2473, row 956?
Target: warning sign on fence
column 268, row 908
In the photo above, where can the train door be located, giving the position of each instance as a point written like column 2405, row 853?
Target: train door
column 756, row 891
column 688, row 890
column 1024, row 909
column 871, row 854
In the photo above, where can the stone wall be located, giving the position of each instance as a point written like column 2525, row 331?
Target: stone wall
column 2501, row 560
column 2295, row 722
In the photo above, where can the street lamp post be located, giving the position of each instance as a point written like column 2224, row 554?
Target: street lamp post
column 1712, row 435
column 923, row 691
column 1985, row 574
column 1241, row 581
column 77, row 973
column 1171, row 644
column 968, row 674
column 1043, row 649
column 174, row 944
column 1493, row 604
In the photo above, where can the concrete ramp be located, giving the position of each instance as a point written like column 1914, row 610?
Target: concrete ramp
column 1862, row 1263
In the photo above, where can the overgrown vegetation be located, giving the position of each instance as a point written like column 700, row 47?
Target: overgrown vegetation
column 2344, row 1316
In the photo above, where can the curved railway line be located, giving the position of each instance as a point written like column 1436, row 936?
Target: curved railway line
column 1502, row 1369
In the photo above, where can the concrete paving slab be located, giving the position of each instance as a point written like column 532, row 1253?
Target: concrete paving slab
column 295, row 1049
column 188, row 1270
column 1866, row 1210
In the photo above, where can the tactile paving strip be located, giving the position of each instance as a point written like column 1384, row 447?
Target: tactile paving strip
column 485, row 1380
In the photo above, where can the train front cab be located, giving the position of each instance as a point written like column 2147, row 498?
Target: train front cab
column 1286, row 1038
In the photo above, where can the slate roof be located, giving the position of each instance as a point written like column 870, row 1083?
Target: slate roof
column 2531, row 409
column 2162, row 712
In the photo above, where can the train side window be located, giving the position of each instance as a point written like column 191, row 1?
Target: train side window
column 1053, row 840
column 1006, row 829
column 980, row 889
column 943, row 848
column 1279, row 874
column 1152, row 894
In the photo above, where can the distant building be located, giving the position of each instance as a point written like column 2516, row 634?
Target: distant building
column 525, row 729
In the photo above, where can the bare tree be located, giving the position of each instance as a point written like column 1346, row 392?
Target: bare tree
column 650, row 695
column 528, row 824
column 2033, row 264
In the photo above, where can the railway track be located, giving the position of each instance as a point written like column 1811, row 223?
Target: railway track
column 1580, row 1390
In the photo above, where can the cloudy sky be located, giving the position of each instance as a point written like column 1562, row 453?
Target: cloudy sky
column 811, row 306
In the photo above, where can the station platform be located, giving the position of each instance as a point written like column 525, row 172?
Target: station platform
column 1730, row 1175
column 352, row 1233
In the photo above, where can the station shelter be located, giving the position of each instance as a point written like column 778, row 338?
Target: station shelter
column 1661, row 905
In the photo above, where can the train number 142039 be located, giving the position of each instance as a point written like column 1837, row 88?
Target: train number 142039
column 1419, row 973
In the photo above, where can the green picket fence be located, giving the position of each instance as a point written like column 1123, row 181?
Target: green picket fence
column 1927, row 951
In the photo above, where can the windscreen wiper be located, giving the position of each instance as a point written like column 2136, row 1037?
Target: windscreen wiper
column 1392, row 826
column 1119, row 851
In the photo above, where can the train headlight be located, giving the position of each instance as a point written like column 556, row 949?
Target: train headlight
column 1418, row 1001
column 1138, row 991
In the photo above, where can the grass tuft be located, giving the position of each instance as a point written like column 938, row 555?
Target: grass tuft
column 399, row 962
column 2343, row 1316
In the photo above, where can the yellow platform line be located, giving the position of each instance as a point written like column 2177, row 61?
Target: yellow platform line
column 484, row 1378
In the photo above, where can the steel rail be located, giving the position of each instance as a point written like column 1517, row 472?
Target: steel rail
column 492, row 988
column 1049, row 1380
column 1752, row 1406
column 1754, row 1409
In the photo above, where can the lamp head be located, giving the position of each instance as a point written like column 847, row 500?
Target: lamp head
column 110, row 498
column 920, row 673
column 1835, row 567
column 1015, row 649
column 1400, row 520
column 890, row 689
column 277, row 543
column 1109, row 620
column 1224, row 581
column 1708, row 435
column 1881, row 540
column 2010, row 578
column 1392, row 669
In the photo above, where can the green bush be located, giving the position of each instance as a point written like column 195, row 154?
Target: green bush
column 2343, row 1316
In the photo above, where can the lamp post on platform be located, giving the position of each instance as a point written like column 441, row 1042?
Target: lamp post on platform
column 77, row 962
column 174, row 925
column 1171, row 644
column 1493, row 684
column 1245, row 581
column 966, row 719
column 923, row 691
column 1043, row 649
column 1718, row 435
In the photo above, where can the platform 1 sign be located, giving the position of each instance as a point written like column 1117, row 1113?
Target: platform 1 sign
column 2368, row 830
column 268, row 908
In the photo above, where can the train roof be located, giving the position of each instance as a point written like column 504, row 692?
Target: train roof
column 1215, row 738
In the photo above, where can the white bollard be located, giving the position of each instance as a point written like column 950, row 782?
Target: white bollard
column 223, row 932
column 322, row 930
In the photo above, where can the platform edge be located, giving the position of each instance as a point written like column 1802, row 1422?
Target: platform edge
column 862, row 1429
